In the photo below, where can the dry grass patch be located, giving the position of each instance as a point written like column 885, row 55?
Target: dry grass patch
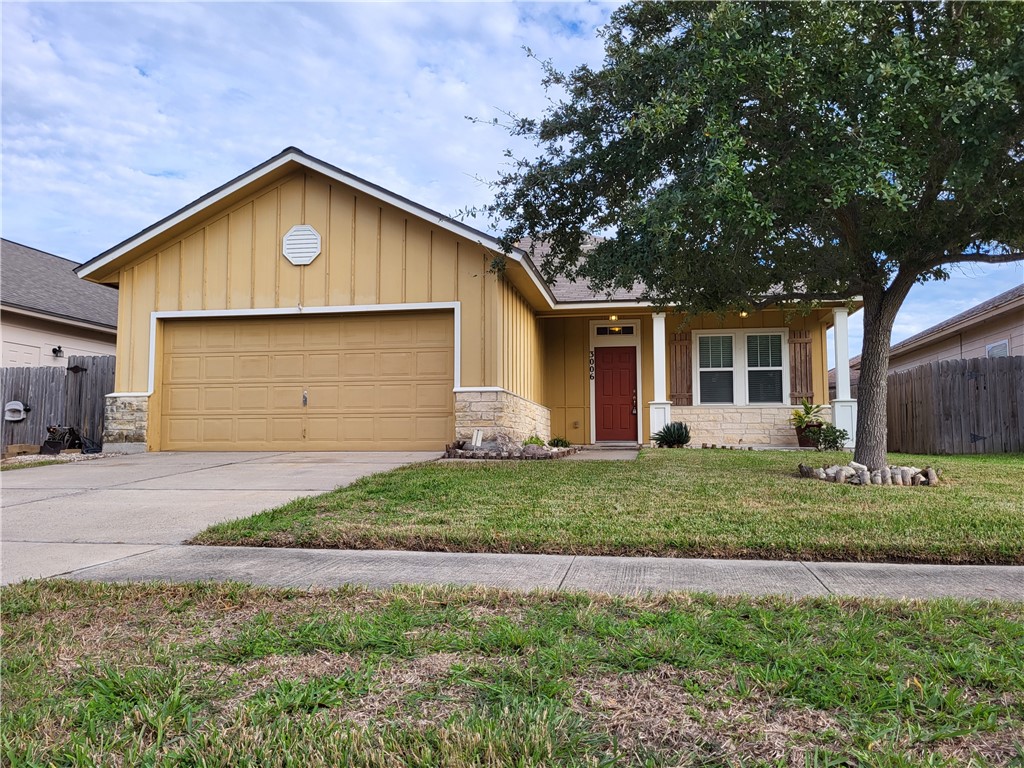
column 219, row 675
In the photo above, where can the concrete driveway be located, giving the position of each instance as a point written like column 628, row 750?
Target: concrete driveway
column 63, row 517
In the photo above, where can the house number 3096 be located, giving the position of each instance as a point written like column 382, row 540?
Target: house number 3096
column 592, row 365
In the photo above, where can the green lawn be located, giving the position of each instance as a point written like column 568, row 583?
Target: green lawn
column 685, row 503
column 218, row 675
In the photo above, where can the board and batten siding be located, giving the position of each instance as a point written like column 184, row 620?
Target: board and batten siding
column 522, row 346
column 372, row 253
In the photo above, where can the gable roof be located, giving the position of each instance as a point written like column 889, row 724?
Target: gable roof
column 291, row 159
column 997, row 304
column 42, row 283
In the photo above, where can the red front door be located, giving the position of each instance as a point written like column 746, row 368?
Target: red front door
column 615, row 393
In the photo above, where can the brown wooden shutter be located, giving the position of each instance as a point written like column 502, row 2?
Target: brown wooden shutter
column 801, row 367
column 680, row 368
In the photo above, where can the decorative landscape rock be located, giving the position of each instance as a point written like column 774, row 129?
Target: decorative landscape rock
column 858, row 474
column 492, row 451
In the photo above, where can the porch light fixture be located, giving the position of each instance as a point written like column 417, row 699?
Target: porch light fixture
column 613, row 318
column 57, row 351
column 744, row 313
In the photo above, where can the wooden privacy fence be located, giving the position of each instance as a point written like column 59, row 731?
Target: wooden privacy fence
column 71, row 397
column 958, row 406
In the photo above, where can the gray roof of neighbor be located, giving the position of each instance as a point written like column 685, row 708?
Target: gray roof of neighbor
column 966, row 316
column 41, row 282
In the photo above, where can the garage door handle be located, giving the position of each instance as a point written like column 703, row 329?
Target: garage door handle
column 305, row 398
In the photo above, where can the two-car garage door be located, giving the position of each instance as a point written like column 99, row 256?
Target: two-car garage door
column 323, row 382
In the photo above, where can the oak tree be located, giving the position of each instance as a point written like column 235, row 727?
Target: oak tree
column 737, row 155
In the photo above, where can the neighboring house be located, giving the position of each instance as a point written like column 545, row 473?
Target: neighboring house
column 47, row 313
column 299, row 307
column 994, row 328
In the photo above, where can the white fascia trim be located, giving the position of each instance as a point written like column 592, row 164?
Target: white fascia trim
column 60, row 320
column 352, row 181
column 456, row 306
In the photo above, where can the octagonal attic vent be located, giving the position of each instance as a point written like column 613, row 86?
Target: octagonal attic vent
column 301, row 245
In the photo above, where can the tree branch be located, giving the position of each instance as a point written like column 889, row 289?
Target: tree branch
column 983, row 258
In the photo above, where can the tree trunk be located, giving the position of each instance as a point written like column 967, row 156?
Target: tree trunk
column 880, row 308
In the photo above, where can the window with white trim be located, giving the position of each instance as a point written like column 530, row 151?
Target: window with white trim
column 742, row 368
column 764, row 368
column 999, row 349
column 716, row 369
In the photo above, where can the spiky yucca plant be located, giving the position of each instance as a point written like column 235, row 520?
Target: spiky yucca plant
column 674, row 435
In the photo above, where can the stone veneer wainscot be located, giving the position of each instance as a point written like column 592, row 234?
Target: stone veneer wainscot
column 747, row 425
column 124, row 423
column 502, row 415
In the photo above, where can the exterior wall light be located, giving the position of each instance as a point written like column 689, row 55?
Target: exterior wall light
column 57, row 351
column 613, row 318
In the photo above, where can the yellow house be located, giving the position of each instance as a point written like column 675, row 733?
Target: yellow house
column 299, row 307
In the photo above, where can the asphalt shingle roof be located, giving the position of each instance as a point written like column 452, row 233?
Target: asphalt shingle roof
column 41, row 282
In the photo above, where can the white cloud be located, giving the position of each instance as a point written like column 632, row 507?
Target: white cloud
column 117, row 114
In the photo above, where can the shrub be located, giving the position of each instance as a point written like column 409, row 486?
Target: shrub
column 828, row 437
column 533, row 440
column 558, row 442
column 674, row 435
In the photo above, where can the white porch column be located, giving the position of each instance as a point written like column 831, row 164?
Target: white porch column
column 844, row 408
column 660, row 406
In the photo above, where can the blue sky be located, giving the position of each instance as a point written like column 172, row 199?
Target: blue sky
column 117, row 114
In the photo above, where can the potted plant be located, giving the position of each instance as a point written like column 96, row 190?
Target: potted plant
column 805, row 418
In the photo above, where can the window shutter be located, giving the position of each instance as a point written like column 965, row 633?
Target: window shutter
column 801, row 366
column 680, row 371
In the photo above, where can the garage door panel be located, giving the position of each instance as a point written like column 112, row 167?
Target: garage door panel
column 183, row 368
column 182, row 399
column 321, row 429
column 323, row 366
column 286, row 366
column 255, row 398
column 359, row 332
column 358, row 365
column 219, row 367
column 219, row 337
column 252, row 430
column 286, row 398
column 357, row 428
column 253, row 366
column 432, row 428
column 401, row 364
column 286, row 429
column 214, row 429
column 287, row 335
column 434, row 397
column 325, row 397
column 218, row 399
column 396, row 397
column 373, row 382
column 182, row 430
column 254, row 335
column 433, row 363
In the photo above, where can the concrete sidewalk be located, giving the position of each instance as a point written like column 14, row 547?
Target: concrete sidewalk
column 307, row 568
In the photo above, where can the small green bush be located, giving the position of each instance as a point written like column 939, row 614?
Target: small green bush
column 828, row 437
column 533, row 440
column 558, row 442
column 674, row 435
